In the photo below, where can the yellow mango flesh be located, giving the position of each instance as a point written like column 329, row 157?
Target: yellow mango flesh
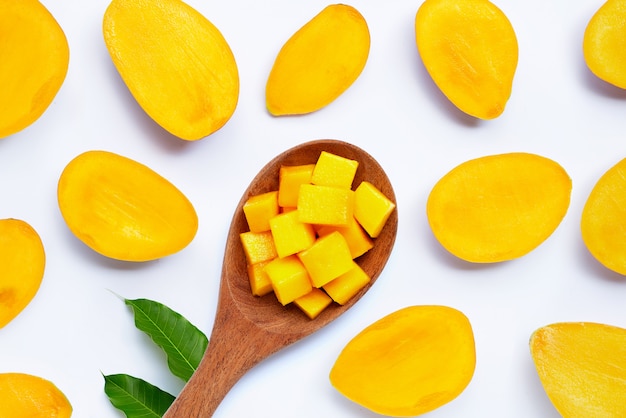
column 313, row 303
column 319, row 62
column 327, row 258
column 582, row 367
column 604, row 43
column 176, row 64
column 344, row 287
column 258, row 246
column 317, row 240
column 123, row 209
column 603, row 220
column 470, row 50
column 409, row 362
column 23, row 395
column 34, row 61
column 498, row 207
column 22, row 261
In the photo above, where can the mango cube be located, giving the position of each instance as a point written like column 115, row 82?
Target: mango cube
column 260, row 209
column 325, row 205
column 258, row 246
column 289, row 180
column 327, row 259
column 358, row 240
column 290, row 235
column 289, row 278
column 260, row 283
column 334, row 170
column 313, row 303
column 344, row 287
column 371, row 208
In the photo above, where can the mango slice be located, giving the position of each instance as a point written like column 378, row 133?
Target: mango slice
column 176, row 64
column 124, row 210
column 604, row 43
column 603, row 220
column 470, row 50
column 35, row 58
column 582, row 367
column 409, row 362
column 498, row 207
column 23, row 395
column 319, row 62
column 23, row 260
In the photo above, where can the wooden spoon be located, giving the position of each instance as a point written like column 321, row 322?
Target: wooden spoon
column 247, row 328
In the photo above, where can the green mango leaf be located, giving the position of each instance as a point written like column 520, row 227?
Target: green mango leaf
column 135, row 397
column 183, row 343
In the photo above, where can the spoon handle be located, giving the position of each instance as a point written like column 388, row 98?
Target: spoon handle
column 236, row 345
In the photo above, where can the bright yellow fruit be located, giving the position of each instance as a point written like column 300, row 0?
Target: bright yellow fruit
column 582, row 367
column 22, row 264
column 123, row 209
column 604, row 43
column 319, row 62
column 26, row 396
column 176, row 64
column 498, row 207
column 603, row 220
column 409, row 362
column 470, row 50
column 34, row 58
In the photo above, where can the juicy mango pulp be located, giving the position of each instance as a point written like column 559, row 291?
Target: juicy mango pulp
column 410, row 362
column 470, row 50
column 498, row 207
column 603, row 221
column 582, row 367
column 604, row 43
column 22, row 261
column 35, row 59
column 26, row 396
column 319, row 62
column 176, row 64
column 123, row 209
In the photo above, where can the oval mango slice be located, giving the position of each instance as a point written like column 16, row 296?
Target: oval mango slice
column 603, row 220
column 176, row 64
column 470, row 50
column 604, row 43
column 498, row 207
column 319, row 62
column 123, row 209
column 23, row 395
column 35, row 58
column 23, row 260
column 582, row 367
column 409, row 362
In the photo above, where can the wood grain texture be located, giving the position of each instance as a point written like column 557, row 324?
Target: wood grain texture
column 247, row 328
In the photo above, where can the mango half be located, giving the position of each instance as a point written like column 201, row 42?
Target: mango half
column 34, row 61
column 319, row 62
column 603, row 220
column 175, row 62
column 23, row 395
column 124, row 210
column 604, row 43
column 22, row 261
column 410, row 362
column 470, row 50
column 582, row 367
column 498, row 207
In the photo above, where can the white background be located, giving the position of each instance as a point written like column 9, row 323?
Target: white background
column 75, row 329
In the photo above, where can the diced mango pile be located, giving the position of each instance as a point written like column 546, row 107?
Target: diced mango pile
column 304, row 237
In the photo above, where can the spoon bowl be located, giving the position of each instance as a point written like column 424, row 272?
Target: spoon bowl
column 248, row 328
